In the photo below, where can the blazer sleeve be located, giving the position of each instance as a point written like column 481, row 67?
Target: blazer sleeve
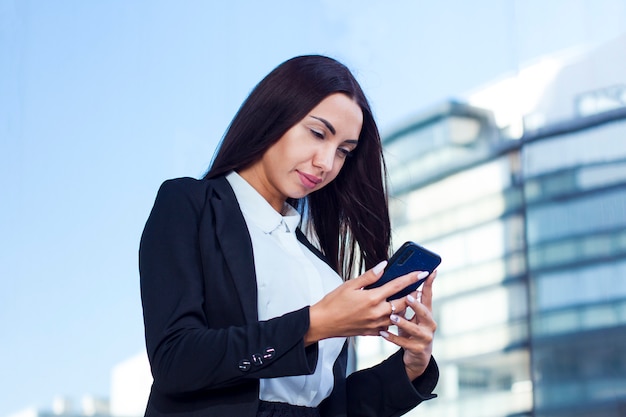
column 385, row 390
column 186, row 354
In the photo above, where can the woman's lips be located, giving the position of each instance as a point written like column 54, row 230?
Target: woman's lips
column 309, row 181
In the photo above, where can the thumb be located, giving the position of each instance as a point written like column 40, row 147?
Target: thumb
column 370, row 276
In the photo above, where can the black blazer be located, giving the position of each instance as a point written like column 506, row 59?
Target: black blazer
column 206, row 346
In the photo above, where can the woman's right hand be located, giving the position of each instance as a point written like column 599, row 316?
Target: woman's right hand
column 350, row 310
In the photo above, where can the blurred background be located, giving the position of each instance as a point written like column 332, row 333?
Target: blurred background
column 504, row 124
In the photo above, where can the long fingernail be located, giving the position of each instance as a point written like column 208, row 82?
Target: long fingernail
column 384, row 334
column 423, row 274
column 378, row 268
column 410, row 298
column 394, row 318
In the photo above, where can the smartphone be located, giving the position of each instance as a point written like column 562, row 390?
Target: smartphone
column 410, row 257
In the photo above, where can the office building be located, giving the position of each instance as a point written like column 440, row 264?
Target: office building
column 521, row 188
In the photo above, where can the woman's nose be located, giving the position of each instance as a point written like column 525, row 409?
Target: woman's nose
column 324, row 158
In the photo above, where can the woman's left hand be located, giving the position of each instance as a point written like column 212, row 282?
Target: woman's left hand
column 416, row 335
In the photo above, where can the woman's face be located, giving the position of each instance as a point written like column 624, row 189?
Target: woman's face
column 310, row 154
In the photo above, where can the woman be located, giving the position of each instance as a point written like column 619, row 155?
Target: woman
column 243, row 315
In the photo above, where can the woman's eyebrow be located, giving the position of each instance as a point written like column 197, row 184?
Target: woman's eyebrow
column 327, row 123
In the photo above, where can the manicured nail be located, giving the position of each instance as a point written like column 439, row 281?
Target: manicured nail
column 378, row 268
column 410, row 298
column 423, row 274
column 384, row 334
column 394, row 318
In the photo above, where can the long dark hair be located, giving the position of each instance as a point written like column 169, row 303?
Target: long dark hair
column 349, row 217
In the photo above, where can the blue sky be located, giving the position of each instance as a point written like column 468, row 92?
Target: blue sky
column 100, row 101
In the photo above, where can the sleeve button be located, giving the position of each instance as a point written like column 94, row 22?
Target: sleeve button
column 269, row 353
column 244, row 365
column 257, row 359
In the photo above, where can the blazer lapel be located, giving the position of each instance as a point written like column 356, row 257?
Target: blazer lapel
column 302, row 238
column 236, row 246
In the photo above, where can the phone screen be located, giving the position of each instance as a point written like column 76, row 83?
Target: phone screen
column 410, row 257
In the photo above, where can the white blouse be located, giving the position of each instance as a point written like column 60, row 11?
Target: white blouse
column 289, row 277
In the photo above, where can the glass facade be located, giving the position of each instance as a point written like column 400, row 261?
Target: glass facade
column 576, row 231
column 531, row 295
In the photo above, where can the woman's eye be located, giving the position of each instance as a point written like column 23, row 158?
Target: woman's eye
column 317, row 134
column 344, row 152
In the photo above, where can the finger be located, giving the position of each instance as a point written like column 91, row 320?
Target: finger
column 422, row 312
column 400, row 283
column 370, row 276
column 396, row 340
column 396, row 307
column 408, row 343
column 427, row 291
column 407, row 328
column 423, row 317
